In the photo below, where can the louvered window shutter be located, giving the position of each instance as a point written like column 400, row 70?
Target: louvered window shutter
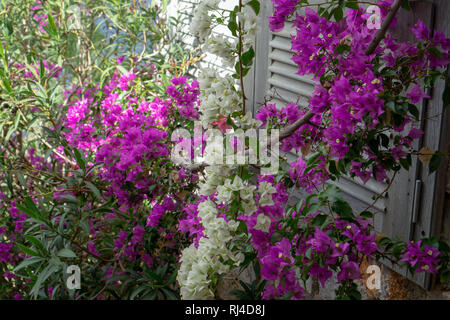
column 416, row 200
column 412, row 207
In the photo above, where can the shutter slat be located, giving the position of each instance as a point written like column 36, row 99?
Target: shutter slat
column 282, row 56
column 286, row 83
column 290, row 72
column 281, row 43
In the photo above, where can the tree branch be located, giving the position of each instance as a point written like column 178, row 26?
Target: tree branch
column 289, row 130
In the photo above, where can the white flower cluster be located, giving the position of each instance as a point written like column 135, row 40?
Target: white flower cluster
column 214, row 177
column 245, row 191
column 250, row 25
column 223, row 48
column 263, row 223
column 216, row 253
column 201, row 21
column 266, row 190
column 247, row 121
column 200, row 266
column 218, row 96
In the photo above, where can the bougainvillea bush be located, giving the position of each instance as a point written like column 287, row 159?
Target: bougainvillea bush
column 107, row 163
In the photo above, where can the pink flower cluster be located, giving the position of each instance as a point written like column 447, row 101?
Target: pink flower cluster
column 185, row 96
column 349, row 102
column 421, row 257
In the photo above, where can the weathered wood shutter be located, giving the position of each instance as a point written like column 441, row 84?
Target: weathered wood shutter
column 413, row 206
column 416, row 201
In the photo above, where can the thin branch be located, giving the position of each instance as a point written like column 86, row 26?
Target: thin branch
column 382, row 193
column 241, row 71
column 297, row 124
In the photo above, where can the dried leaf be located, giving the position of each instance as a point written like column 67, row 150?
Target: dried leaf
column 379, row 236
column 174, row 175
column 182, row 194
column 425, row 155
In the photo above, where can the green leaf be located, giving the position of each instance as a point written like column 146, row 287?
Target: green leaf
column 247, row 57
column 405, row 163
column 35, row 241
column 366, row 214
column 2, row 51
column 47, row 272
column 170, row 295
column 352, row 4
column 299, row 205
column 94, row 190
column 338, row 13
column 27, row 250
column 435, row 52
column 29, row 204
column 80, row 159
column 66, row 253
column 383, row 241
column 342, row 48
column 7, row 84
column 413, row 110
column 445, row 276
column 435, row 162
column 446, row 93
column 12, row 128
column 137, row 291
column 232, row 24
column 319, row 220
column 444, row 247
column 405, row 5
column 308, row 253
column 275, row 237
column 331, row 193
column 343, row 209
column 70, row 198
column 52, row 24
column 255, row 5
column 28, row 262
